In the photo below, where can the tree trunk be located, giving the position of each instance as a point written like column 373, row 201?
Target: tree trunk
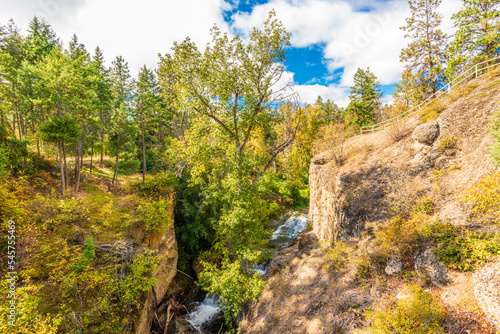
column 144, row 167
column 65, row 166
column 91, row 154
column 115, row 176
column 63, row 186
column 102, row 140
column 14, row 107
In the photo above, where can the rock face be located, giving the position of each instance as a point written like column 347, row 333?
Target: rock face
column 487, row 291
column 164, row 242
column 394, row 265
column 428, row 264
column 426, row 133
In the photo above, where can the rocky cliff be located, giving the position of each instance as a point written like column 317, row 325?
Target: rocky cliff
column 163, row 241
column 362, row 194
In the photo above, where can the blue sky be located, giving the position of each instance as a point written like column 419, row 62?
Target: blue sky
column 330, row 38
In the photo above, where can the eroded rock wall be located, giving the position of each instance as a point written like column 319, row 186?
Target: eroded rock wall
column 164, row 242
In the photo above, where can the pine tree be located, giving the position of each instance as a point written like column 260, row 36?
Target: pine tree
column 425, row 55
column 478, row 34
column 365, row 99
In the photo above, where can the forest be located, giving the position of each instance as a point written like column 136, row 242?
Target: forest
column 90, row 155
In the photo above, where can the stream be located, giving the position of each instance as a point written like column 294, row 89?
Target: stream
column 208, row 310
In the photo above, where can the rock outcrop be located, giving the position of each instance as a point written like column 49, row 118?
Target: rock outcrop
column 394, row 265
column 164, row 242
column 427, row 264
column 426, row 133
column 487, row 291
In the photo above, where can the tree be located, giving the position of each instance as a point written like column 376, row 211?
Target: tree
column 147, row 91
column 61, row 130
column 365, row 99
column 232, row 90
column 478, row 34
column 104, row 97
column 425, row 55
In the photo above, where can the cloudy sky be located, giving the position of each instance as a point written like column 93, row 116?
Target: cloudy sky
column 330, row 38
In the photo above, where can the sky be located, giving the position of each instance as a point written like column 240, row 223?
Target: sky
column 330, row 39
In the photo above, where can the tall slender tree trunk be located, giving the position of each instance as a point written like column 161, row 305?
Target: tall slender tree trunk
column 14, row 110
column 63, row 186
column 144, row 167
column 80, row 164
column 102, row 139
column 115, row 176
column 91, row 154
column 65, row 166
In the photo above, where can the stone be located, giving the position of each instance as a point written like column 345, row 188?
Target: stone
column 487, row 291
column 427, row 264
column 306, row 241
column 394, row 265
column 163, row 241
column 426, row 133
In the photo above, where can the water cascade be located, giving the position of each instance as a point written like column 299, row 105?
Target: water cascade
column 204, row 312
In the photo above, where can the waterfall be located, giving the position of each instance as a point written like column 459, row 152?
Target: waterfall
column 203, row 312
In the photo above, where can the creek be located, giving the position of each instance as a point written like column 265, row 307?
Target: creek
column 206, row 311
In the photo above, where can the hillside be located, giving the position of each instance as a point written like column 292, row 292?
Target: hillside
column 416, row 227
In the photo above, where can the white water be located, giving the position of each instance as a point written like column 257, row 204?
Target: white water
column 283, row 236
column 204, row 312
column 285, row 233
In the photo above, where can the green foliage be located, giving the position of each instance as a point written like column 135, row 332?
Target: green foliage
column 432, row 111
column 400, row 236
column 155, row 213
column 158, row 185
column 495, row 132
column 425, row 205
column 4, row 163
column 337, row 256
column 448, row 142
column 485, row 196
column 417, row 312
column 476, row 38
column 129, row 167
column 460, row 248
column 61, row 129
column 365, row 98
column 232, row 285
column 87, row 257
column 425, row 54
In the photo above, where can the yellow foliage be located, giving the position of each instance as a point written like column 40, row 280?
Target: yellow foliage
column 485, row 196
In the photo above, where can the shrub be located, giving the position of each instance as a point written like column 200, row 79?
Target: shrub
column 425, row 205
column 432, row 111
column 129, row 167
column 400, row 236
column 448, row 142
column 460, row 248
column 485, row 196
column 337, row 256
column 495, row 132
column 418, row 313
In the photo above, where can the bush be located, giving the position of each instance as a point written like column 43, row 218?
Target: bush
column 485, row 196
column 448, row 142
column 495, row 133
column 337, row 256
column 418, row 313
column 432, row 111
column 400, row 236
column 129, row 167
column 425, row 205
column 460, row 248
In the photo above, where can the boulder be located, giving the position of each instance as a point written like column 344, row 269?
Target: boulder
column 426, row 133
column 394, row 265
column 427, row 264
column 487, row 291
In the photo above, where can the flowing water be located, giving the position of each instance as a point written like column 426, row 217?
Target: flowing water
column 204, row 312
column 282, row 238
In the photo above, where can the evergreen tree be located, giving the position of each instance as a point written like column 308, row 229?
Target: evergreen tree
column 365, row 98
column 478, row 34
column 425, row 55
column 104, row 99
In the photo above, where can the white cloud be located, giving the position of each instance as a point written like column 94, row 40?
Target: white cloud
column 353, row 37
column 136, row 30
